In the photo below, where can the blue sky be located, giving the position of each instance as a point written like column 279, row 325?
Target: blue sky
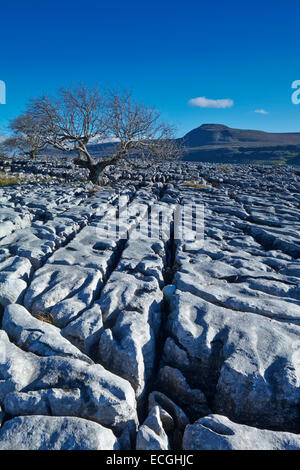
column 166, row 52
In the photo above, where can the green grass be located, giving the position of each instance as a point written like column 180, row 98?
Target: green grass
column 45, row 317
column 194, row 184
column 9, row 180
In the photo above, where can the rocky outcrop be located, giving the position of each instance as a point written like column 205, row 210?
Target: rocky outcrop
column 216, row 432
column 121, row 330
column 55, row 433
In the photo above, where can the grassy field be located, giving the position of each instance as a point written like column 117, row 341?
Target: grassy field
column 9, row 180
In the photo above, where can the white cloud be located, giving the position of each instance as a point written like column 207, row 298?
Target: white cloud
column 203, row 102
column 261, row 111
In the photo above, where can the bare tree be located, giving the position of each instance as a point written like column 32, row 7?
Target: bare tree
column 75, row 116
column 139, row 131
column 71, row 119
column 26, row 136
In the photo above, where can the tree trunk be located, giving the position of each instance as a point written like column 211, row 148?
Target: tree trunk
column 80, row 155
column 96, row 174
column 32, row 154
column 96, row 169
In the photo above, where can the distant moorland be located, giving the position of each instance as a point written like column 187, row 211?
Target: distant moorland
column 217, row 143
column 220, row 144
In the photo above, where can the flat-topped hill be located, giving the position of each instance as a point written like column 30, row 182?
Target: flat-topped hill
column 209, row 135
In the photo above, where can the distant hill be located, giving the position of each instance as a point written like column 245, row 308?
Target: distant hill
column 218, row 135
column 217, row 143
column 221, row 144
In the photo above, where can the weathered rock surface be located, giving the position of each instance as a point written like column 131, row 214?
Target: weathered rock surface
column 116, row 321
column 151, row 435
column 164, row 426
column 60, row 386
column 11, row 290
column 37, row 336
column 246, row 364
column 62, row 292
column 216, row 432
column 55, row 433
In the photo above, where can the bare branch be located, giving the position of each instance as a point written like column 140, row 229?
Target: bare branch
column 70, row 120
